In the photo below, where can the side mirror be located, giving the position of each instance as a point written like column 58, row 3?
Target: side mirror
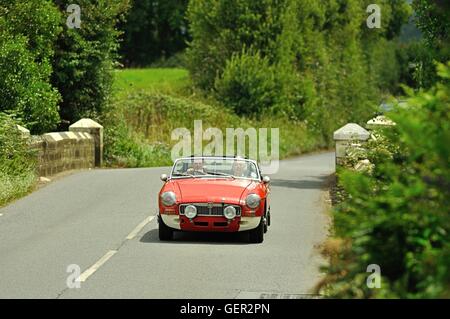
column 164, row 177
column 266, row 179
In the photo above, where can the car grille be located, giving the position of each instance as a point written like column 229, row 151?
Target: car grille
column 208, row 209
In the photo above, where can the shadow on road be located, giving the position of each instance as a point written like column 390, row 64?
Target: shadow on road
column 151, row 237
column 312, row 183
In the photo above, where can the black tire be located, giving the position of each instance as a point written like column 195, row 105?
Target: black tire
column 165, row 233
column 265, row 219
column 267, row 223
column 256, row 236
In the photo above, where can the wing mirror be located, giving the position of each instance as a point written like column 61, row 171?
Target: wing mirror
column 266, row 179
column 164, row 177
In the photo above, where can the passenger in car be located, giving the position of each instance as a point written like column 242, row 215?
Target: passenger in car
column 239, row 168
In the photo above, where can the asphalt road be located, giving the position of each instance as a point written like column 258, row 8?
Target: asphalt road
column 101, row 221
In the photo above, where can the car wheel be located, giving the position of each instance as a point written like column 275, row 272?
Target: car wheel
column 256, row 235
column 266, row 220
column 165, row 233
column 265, row 224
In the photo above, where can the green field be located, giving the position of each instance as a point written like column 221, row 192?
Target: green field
column 159, row 80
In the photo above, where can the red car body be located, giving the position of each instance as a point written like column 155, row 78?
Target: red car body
column 211, row 195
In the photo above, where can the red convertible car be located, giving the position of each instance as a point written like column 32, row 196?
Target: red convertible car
column 214, row 194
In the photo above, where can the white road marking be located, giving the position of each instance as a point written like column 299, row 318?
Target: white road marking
column 139, row 227
column 88, row 272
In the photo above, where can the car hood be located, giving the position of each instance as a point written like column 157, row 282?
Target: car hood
column 212, row 190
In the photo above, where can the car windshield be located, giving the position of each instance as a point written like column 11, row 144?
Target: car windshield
column 217, row 167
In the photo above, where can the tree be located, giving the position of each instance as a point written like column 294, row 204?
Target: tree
column 85, row 57
column 28, row 31
column 323, row 60
column 223, row 28
column 433, row 20
column 154, row 29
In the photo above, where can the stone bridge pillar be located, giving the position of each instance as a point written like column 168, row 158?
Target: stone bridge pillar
column 347, row 135
column 96, row 130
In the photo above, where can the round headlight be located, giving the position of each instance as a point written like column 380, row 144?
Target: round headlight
column 168, row 198
column 190, row 211
column 229, row 212
column 253, row 200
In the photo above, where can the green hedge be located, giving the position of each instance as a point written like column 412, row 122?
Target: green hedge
column 397, row 214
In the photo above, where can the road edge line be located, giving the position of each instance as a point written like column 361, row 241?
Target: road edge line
column 139, row 227
column 88, row 272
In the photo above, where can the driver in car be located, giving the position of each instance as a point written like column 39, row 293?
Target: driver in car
column 197, row 168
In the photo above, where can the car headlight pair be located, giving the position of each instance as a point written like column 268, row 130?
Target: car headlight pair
column 190, row 212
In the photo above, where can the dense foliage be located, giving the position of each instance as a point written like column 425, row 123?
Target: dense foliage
column 396, row 214
column 154, row 30
column 85, row 58
column 433, row 19
column 315, row 61
column 48, row 70
column 28, row 32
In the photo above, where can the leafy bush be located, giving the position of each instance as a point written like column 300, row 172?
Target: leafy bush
column 17, row 161
column 125, row 148
column 24, row 87
column 85, row 58
column 27, row 35
column 36, row 20
column 247, row 84
column 223, row 28
column 397, row 216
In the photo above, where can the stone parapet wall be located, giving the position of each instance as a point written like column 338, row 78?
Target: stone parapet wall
column 80, row 148
column 63, row 151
